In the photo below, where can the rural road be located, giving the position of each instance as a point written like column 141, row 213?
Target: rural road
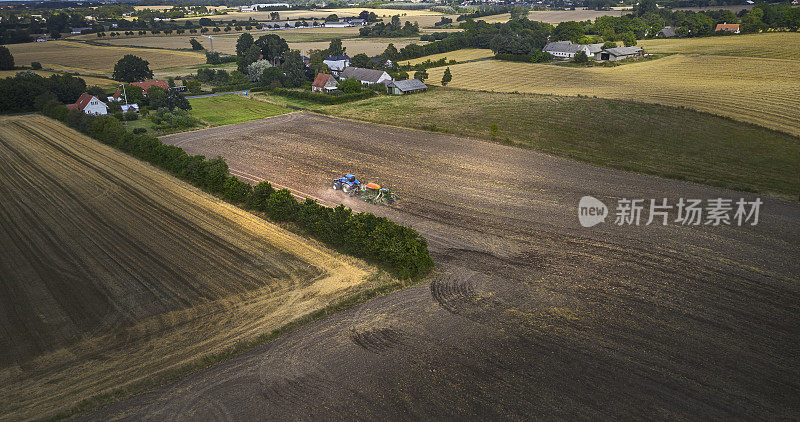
column 529, row 315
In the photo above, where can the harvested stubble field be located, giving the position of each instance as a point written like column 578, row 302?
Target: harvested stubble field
column 320, row 14
column 775, row 45
column 105, row 83
column 762, row 91
column 463, row 55
column 557, row 16
column 368, row 46
column 529, row 315
column 114, row 272
column 85, row 58
column 654, row 139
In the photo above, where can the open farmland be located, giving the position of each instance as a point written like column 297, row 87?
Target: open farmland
column 85, row 58
column 780, row 45
column 557, row 16
column 368, row 46
column 232, row 108
column 762, row 91
column 655, row 139
column 319, row 13
column 90, row 80
column 529, row 315
column 227, row 43
column 114, row 273
column 463, row 55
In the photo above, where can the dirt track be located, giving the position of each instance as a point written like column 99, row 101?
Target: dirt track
column 529, row 314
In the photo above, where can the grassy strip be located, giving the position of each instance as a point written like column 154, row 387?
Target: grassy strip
column 232, row 108
column 665, row 141
column 208, row 361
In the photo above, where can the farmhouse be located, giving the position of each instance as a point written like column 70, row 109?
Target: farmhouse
column 324, row 83
column 729, row 27
column 619, row 53
column 145, row 85
column 365, row 76
column 666, row 32
column 357, row 22
column 568, row 50
column 407, row 86
column 337, row 63
column 338, row 24
column 89, row 104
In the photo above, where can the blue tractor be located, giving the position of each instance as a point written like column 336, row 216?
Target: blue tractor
column 348, row 184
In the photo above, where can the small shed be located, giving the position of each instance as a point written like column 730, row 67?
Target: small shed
column 407, row 86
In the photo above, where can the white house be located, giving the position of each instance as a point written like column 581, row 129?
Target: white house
column 568, row 50
column 337, row 63
column 89, row 104
column 365, row 76
column 339, row 24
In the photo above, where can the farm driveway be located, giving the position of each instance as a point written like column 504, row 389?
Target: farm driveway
column 529, row 314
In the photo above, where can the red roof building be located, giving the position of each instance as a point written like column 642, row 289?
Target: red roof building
column 731, row 27
column 145, row 85
column 324, row 83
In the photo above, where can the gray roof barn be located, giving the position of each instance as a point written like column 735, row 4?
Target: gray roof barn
column 361, row 74
column 624, row 51
column 666, row 32
column 562, row 47
column 408, row 85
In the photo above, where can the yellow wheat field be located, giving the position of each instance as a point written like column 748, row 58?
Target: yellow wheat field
column 90, row 80
column 84, row 58
column 462, row 55
column 756, row 90
column 775, row 45
column 557, row 16
column 126, row 272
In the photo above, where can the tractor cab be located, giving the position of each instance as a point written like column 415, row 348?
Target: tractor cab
column 348, row 184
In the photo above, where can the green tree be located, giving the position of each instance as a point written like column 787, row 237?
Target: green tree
column 335, row 47
column 236, row 190
column 294, row 69
column 447, row 77
column 331, row 18
column 170, row 99
column 132, row 69
column 243, row 44
column 580, row 57
column 272, row 47
column 216, row 174
column 350, row 86
column 421, row 74
column 360, row 60
column 628, row 38
column 196, row 44
column 6, row 59
column 390, row 53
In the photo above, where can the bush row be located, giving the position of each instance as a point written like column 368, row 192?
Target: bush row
column 400, row 249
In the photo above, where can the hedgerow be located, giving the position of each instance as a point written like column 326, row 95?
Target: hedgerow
column 400, row 249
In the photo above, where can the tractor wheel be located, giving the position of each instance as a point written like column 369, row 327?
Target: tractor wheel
column 337, row 185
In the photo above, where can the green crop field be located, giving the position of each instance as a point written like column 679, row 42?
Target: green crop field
column 645, row 138
column 232, row 108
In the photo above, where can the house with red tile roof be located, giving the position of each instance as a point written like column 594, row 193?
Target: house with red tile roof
column 324, row 83
column 145, row 85
column 89, row 104
column 730, row 27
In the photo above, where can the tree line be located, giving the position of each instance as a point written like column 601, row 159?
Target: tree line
column 401, row 250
